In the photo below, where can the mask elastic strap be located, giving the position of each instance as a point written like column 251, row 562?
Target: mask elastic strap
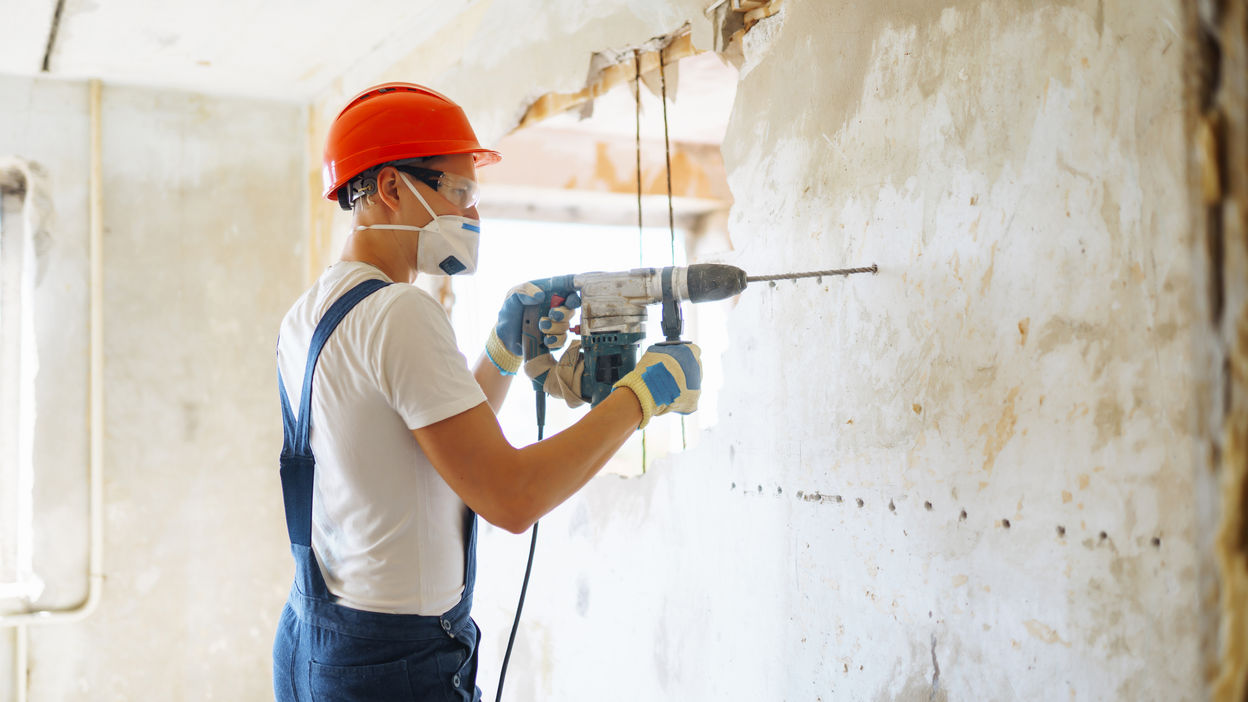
column 405, row 227
column 400, row 227
column 416, row 192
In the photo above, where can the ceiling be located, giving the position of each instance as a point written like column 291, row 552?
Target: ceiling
column 281, row 49
column 293, row 49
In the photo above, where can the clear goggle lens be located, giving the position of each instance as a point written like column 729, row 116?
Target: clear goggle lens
column 456, row 189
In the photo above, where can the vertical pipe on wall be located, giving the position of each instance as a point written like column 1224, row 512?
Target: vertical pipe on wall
column 96, row 383
column 95, row 407
column 20, row 659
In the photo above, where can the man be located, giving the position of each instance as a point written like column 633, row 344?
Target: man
column 392, row 447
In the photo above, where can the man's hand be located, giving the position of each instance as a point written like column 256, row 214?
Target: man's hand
column 505, row 347
column 668, row 377
column 562, row 379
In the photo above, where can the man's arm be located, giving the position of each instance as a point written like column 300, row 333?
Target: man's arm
column 512, row 488
column 492, row 381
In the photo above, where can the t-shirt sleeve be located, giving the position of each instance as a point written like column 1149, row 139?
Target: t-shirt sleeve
column 419, row 368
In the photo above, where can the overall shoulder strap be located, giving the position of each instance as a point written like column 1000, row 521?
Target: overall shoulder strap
column 298, row 428
column 297, row 465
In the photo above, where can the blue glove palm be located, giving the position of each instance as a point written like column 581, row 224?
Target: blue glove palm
column 505, row 347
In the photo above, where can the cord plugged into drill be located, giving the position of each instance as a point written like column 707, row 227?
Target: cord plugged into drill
column 613, row 314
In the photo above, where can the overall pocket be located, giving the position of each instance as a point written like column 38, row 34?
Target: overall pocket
column 382, row 681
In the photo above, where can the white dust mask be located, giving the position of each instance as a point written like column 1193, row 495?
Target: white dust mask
column 448, row 244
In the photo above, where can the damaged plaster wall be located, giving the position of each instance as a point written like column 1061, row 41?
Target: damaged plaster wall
column 1015, row 398
column 203, row 229
column 971, row 476
column 1218, row 114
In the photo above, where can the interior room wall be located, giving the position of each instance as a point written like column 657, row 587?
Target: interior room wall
column 973, row 475
column 976, row 474
column 204, row 204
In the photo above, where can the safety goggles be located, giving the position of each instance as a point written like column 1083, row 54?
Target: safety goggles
column 458, row 190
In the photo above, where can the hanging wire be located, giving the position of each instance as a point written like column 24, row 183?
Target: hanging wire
column 667, row 152
column 640, row 230
column 671, row 213
column 637, row 93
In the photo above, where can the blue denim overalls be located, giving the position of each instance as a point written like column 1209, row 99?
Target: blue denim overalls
column 324, row 651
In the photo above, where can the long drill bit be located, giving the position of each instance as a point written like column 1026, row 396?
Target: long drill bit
column 812, row 274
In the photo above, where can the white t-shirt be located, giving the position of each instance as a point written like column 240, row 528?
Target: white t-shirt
column 387, row 530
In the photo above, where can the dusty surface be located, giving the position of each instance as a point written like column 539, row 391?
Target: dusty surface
column 970, row 475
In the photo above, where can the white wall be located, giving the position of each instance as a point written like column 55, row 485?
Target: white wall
column 1030, row 352
column 203, row 246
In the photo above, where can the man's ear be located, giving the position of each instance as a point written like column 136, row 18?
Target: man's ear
column 388, row 187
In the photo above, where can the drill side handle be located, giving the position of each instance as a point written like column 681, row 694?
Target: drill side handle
column 673, row 317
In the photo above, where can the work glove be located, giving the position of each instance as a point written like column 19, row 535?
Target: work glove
column 668, row 378
column 505, row 347
column 562, row 379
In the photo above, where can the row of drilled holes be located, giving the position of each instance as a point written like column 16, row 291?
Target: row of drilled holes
column 927, row 505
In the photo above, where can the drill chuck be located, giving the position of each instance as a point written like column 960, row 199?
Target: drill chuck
column 707, row 282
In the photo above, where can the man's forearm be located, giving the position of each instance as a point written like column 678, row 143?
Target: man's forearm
column 492, row 381
column 510, row 487
column 548, row 472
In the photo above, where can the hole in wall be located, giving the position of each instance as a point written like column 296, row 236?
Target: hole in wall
column 1061, row 530
column 573, row 176
column 1005, row 523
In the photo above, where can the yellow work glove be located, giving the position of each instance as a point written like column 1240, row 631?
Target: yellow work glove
column 668, row 378
column 563, row 379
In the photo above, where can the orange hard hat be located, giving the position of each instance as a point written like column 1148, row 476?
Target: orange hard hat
column 395, row 121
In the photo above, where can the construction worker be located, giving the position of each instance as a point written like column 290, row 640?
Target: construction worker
column 392, row 449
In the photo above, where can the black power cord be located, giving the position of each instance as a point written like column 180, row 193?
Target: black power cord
column 519, row 606
column 528, row 569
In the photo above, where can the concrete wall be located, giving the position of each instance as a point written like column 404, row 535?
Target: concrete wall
column 1016, row 397
column 972, row 476
column 203, row 244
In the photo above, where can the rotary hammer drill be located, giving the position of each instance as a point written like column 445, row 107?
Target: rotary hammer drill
column 613, row 314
